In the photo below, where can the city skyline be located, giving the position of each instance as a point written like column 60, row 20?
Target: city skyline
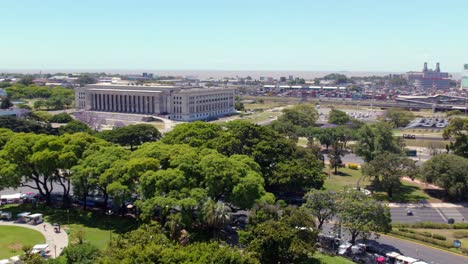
column 393, row 36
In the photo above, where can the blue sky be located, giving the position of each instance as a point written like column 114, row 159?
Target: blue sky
column 353, row 35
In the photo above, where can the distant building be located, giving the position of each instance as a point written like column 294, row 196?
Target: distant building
column 428, row 78
column 464, row 81
column 174, row 102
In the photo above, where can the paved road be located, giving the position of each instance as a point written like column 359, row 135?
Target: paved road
column 428, row 214
column 410, row 249
column 414, row 250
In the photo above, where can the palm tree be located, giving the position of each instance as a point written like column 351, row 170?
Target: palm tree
column 216, row 215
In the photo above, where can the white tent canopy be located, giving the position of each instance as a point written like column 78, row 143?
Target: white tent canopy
column 13, row 196
column 41, row 246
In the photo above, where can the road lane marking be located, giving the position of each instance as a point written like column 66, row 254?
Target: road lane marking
column 441, row 215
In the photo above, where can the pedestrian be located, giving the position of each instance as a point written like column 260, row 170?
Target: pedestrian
column 44, row 227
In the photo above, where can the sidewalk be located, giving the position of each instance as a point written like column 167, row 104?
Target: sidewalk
column 57, row 241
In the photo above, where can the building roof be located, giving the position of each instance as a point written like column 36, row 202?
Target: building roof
column 126, row 91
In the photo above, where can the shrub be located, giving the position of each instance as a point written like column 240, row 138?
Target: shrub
column 353, row 166
column 61, row 118
column 464, row 251
column 429, row 240
column 460, row 234
column 439, row 237
column 425, row 233
column 430, row 225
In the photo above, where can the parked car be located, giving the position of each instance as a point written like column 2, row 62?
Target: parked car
column 409, row 136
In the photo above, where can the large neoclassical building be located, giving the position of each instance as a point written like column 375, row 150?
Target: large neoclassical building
column 177, row 103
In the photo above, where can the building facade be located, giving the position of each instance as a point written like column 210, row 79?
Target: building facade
column 177, row 103
column 429, row 79
column 464, row 80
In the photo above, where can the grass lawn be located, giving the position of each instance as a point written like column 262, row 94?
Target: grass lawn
column 265, row 106
column 346, row 178
column 426, row 143
column 326, row 259
column 13, row 238
column 423, row 132
column 261, row 117
column 97, row 226
column 408, row 192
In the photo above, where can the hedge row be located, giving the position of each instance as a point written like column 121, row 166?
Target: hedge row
column 460, row 234
column 431, row 225
column 423, row 233
column 353, row 166
column 429, row 240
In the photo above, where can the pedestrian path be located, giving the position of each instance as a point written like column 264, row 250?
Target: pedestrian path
column 57, row 241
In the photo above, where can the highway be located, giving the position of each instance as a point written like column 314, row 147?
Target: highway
column 410, row 249
column 429, row 214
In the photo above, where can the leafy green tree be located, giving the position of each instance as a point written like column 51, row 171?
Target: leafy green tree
column 321, row 204
column 261, row 143
column 458, row 127
column 398, row 117
column 132, row 135
column 61, row 118
column 81, row 253
column 361, row 215
column 25, row 125
column 41, row 116
column 85, row 79
column 239, row 106
column 453, row 113
column 39, row 104
column 449, row 172
column 26, row 80
column 262, row 212
column 304, row 115
column 24, row 106
column 327, row 136
column 334, row 156
column 89, row 174
column 338, row 117
column 195, row 134
column 387, row 168
column 289, row 240
column 148, row 244
column 301, row 171
column 376, row 139
column 75, row 127
column 39, row 161
column 6, row 103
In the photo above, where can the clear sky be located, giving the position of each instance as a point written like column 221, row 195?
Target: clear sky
column 307, row 35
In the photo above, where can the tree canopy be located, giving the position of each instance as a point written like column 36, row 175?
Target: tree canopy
column 398, row 117
column 449, row 172
column 132, row 135
column 375, row 139
column 387, row 168
column 361, row 215
column 338, row 117
column 458, row 127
